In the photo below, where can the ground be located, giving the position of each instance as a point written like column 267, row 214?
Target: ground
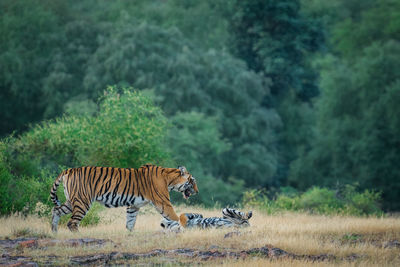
column 284, row 239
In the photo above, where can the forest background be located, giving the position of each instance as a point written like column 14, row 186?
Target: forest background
column 294, row 101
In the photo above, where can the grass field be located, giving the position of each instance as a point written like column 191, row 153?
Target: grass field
column 350, row 241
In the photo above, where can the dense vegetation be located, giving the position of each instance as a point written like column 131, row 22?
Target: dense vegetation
column 316, row 200
column 259, row 94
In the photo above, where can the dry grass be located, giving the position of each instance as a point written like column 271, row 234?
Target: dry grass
column 296, row 233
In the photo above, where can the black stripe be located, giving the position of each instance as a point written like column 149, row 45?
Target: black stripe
column 102, row 181
column 98, row 180
column 107, row 195
column 67, row 207
column 116, row 186
column 139, row 178
column 89, row 181
column 124, row 193
column 150, row 186
column 130, row 181
column 84, row 174
column 162, row 196
column 116, row 204
column 77, row 217
column 108, row 185
column 79, row 208
column 81, row 199
column 132, row 200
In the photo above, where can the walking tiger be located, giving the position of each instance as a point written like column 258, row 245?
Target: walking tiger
column 115, row 187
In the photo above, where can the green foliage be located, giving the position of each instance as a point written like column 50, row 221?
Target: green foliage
column 378, row 22
column 357, row 125
column 24, row 48
column 273, row 38
column 21, row 192
column 195, row 139
column 199, row 21
column 6, row 179
column 321, row 201
column 128, row 131
column 355, row 137
column 213, row 192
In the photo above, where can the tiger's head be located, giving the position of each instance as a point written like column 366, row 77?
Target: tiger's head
column 184, row 182
column 171, row 226
column 239, row 218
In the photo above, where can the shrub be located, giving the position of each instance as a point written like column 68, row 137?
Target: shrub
column 6, row 179
column 128, row 131
column 20, row 192
column 367, row 202
column 319, row 200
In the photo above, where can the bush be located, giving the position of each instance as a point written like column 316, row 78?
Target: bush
column 319, row 200
column 364, row 203
column 6, row 179
column 21, row 193
column 128, row 131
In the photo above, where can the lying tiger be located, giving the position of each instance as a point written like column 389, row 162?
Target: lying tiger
column 231, row 218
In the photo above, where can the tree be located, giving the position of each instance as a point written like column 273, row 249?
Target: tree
column 357, row 130
column 273, row 38
column 26, row 43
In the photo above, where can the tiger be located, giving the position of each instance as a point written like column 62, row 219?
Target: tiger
column 115, row 187
column 231, row 218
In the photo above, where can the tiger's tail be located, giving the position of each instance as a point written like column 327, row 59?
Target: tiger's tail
column 53, row 191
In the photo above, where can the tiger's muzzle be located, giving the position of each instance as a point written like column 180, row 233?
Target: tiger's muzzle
column 189, row 188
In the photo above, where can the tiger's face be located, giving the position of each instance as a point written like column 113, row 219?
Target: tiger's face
column 239, row 218
column 171, row 226
column 185, row 183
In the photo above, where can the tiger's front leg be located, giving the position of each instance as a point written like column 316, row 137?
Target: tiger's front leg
column 131, row 214
column 168, row 212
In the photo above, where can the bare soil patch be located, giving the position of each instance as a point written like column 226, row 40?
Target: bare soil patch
column 12, row 247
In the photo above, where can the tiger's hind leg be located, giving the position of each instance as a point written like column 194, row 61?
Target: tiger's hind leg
column 131, row 214
column 57, row 212
column 79, row 211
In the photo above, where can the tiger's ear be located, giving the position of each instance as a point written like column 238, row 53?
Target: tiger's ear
column 249, row 214
column 183, row 170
